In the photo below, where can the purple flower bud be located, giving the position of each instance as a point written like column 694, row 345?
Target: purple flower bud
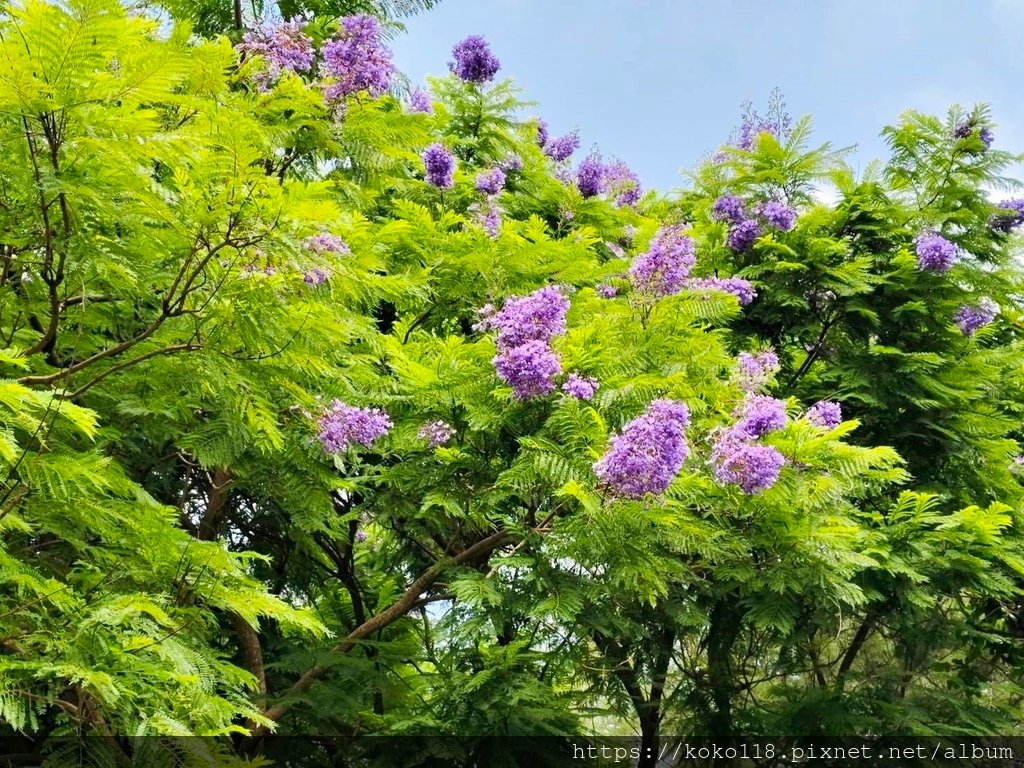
column 474, row 61
column 971, row 318
column 735, row 460
column 530, row 369
column 759, row 415
column 649, row 452
column 344, row 425
column 436, row 433
column 737, row 286
column 324, row 243
column 935, row 253
column 728, row 208
column 825, row 414
column 439, row 165
column 663, row 269
column 580, row 387
column 419, row 101
column 606, row 291
column 778, row 215
column 356, row 60
column 490, row 182
column 743, row 235
column 754, row 370
column 561, row 148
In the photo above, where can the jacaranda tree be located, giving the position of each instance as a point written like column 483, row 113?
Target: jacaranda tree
column 332, row 408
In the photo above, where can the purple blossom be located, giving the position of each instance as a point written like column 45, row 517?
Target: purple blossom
column 743, row 235
column 361, row 536
column 590, row 177
column 315, row 277
column 486, row 314
column 971, row 318
column 580, row 387
column 511, row 164
column 825, row 414
column 530, row 369
column 649, row 452
column 756, row 369
column 542, row 132
column 436, row 433
column 663, row 269
column 324, row 243
column 737, row 286
column 935, row 253
column 606, row 291
column 759, row 415
column 490, row 182
column 738, row 461
column 1009, row 216
column 356, row 60
column 488, row 216
column 474, row 61
column 1017, row 465
column 439, row 165
column 778, row 215
column 622, row 183
column 540, row 316
column 728, row 208
column 987, row 137
column 283, row 47
column 776, row 123
column 344, row 425
column 562, row 147
column 419, row 101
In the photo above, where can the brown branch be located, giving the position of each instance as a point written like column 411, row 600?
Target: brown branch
column 393, row 613
column 129, row 363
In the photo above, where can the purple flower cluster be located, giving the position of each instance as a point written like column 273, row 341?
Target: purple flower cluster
column 526, row 325
column 737, row 286
column 728, row 208
column 736, row 460
column 283, row 47
column 315, row 277
column 759, row 415
column 356, row 60
column 561, row 147
column 324, row 243
column 1009, row 216
column 474, row 61
column 825, row 414
column 436, row 433
column 776, row 123
column 934, row 252
column 649, row 453
column 743, row 235
column 966, row 127
column 439, row 165
column 590, row 176
column 580, row 387
column 622, row 183
column 511, row 164
column 491, row 182
column 606, row 291
column 754, row 370
column 540, row 316
column 663, row 269
column 542, row 132
column 344, row 425
column 778, row 215
column 530, row 369
column 419, row 101
column 1017, row 465
column 971, row 318
column 488, row 216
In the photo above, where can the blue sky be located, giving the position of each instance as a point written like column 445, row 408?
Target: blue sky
column 658, row 83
